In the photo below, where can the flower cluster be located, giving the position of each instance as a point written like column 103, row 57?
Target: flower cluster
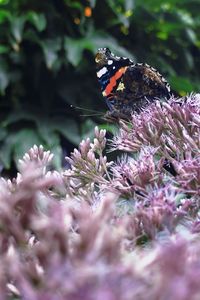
column 127, row 229
column 172, row 127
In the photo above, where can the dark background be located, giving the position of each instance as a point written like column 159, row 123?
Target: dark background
column 47, row 64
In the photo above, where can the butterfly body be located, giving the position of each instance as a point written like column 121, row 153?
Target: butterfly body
column 128, row 86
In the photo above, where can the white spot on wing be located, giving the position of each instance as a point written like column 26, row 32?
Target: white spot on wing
column 110, row 62
column 102, row 72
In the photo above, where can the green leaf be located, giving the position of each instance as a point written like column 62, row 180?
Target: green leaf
column 92, row 41
column 129, row 5
column 185, row 18
column 181, row 84
column 23, row 141
column 157, row 5
column 3, row 133
column 100, row 40
column 18, row 116
column 4, row 49
column 50, row 50
column 51, row 138
column 192, row 36
column 88, row 129
column 4, row 15
column 74, row 49
column 47, row 132
column 189, row 60
column 7, row 147
column 74, row 4
column 4, row 1
column 17, row 27
column 38, row 20
column 109, row 128
column 93, row 3
column 3, row 81
column 68, row 127
column 57, row 159
column 6, row 150
column 4, row 77
column 52, row 141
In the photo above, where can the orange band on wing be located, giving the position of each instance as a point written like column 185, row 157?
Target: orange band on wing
column 113, row 81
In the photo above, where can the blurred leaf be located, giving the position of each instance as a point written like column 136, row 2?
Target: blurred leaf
column 17, row 116
column 108, row 127
column 47, row 132
column 23, row 141
column 4, row 15
column 57, row 159
column 3, row 49
column 129, row 5
column 6, row 150
column 99, row 40
column 17, row 27
column 4, row 78
column 74, row 4
column 50, row 129
column 3, row 81
column 74, row 49
column 3, row 133
column 181, row 84
column 156, row 5
column 185, row 18
column 192, row 37
column 38, row 20
column 50, row 50
column 52, row 141
column 189, row 59
column 88, row 129
column 167, row 28
column 68, row 127
column 93, row 3
column 4, row 1
column 92, row 42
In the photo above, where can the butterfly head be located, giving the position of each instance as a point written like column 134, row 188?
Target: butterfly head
column 105, row 57
column 102, row 56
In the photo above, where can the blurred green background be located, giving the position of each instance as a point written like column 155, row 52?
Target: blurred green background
column 47, row 63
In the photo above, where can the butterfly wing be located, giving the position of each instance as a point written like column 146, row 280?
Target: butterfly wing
column 142, row 81
column 126, row 86
column 139, row 85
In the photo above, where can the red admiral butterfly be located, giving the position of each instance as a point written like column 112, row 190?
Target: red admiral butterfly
column 128, row 86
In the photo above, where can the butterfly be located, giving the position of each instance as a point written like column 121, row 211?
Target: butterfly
column 128, row 86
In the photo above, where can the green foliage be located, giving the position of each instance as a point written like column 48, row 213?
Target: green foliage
column 47, row 65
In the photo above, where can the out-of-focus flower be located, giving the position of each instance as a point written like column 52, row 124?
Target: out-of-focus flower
column 88, row 11
column 104, row 230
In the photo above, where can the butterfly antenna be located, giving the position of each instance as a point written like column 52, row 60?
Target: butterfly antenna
column 94, row 112
column 92, row 115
